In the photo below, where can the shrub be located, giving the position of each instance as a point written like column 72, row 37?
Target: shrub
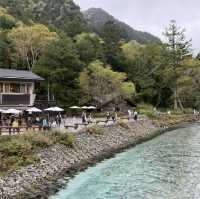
column 12, row 163
column 94, row 130
column 65, row 139
column 38, row 140
column 20, row 150
column 62, row 138
column 15, row 147
column 151, row 115
column 144, row 107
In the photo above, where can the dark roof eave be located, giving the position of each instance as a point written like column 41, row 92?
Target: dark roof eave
column 20, row 79
column 22, row 75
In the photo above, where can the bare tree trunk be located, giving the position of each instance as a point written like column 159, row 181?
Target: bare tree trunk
column 175, row 99
column 48, row 92
column 180, row 104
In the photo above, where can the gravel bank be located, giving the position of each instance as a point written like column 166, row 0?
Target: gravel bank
column 36, row 181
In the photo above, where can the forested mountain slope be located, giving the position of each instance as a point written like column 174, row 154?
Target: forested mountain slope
column 98, row 17
column 62, row 14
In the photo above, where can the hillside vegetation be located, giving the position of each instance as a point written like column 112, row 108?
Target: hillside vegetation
column 61, row 14
column 93, row 58
column 98, row 17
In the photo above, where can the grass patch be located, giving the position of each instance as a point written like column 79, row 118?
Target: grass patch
column 170, row 120
column 147, row 110
column 21, row 150
column 62, row 138
column 94, row 131
column 124, row 125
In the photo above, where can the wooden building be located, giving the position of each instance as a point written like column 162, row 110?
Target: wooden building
column 17, row 88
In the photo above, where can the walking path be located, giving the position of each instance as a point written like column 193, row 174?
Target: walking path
column 74, row 124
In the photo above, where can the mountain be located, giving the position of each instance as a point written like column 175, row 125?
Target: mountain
column 61, row 14
column 97, row 18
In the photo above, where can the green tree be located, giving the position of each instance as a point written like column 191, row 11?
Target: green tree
column 62, row 14
column 179, row 50
column 4, row 51
column 29, row 42
column 89, row 46
column 6, row 21
column 189, row 84
column 146, row 67
column 112, row 45
column 60, row 66
column 102, row 85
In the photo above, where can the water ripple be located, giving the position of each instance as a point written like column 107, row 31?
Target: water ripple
column 167, row 167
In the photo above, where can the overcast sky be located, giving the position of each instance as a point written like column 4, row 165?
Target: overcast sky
column 153, row 15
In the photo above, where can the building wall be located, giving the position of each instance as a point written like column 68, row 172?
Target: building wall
column 16, row 92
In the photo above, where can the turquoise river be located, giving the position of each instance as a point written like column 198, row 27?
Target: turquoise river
column 167, row 167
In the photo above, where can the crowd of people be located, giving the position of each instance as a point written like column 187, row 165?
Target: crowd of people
column 33, row 122
column 30, row 122
column 87, row 118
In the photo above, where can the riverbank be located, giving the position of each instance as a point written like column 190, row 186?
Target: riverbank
column 37, row 180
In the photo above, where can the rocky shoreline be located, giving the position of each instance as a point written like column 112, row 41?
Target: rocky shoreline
column 41, row 179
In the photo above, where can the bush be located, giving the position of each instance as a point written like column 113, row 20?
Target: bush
column 15, row 147
column 12, row 163
column 145, row 107
column 151, row 115
column 5, row 138
column 21, row 150
column 61, row 138
column 94, row 130
column 64, row 138
column 38, row 140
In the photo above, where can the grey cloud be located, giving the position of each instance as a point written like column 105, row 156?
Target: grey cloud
column 153, row 15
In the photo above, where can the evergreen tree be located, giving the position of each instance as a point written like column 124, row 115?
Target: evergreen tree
column 179, row 50
column 112, row 46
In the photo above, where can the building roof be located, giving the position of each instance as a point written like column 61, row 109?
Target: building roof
column 18, row 75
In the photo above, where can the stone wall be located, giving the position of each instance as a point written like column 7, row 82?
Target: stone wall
column 36, row 181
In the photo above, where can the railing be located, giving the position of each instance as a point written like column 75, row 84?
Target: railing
column 15, row 99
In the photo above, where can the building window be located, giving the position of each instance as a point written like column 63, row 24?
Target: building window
column 14, row 88
column 29, row 88
column 7, row 88
column 1, row 87
column 22, row 88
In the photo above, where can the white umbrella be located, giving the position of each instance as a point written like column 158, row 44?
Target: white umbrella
column 48, row 109
column 12, row 111
column 34, row 110
column 54, row 109
column 58, row 109
column 92, row 107
column 84, row 107
column 75, row 107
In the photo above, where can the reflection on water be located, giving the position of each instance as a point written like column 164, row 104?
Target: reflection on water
column 166, row 167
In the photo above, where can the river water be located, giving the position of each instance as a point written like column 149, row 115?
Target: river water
column 167, row 167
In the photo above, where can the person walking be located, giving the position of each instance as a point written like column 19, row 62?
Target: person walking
column 58, row 120
column 15, row 126
column 114, row 116
column 29, row 123
column 90, row 118
column 45, row 124
column 11, row 125
column 84, row 117
column 129, row 114
column 135, row 115
column 107, row 116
